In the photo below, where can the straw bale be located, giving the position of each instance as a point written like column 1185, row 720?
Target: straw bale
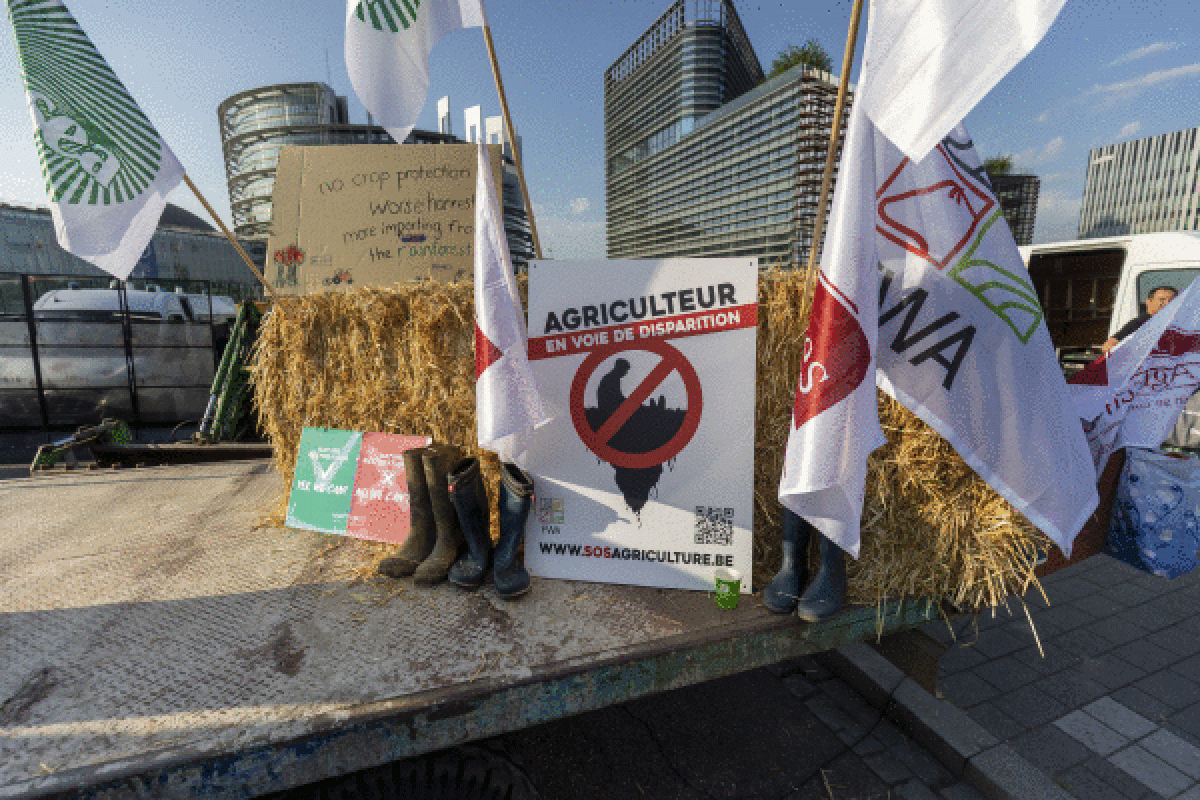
column 401, row 360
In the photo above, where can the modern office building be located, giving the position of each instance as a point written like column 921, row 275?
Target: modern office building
column 703, row 157
column 256, row 123
column 1018, row 196
column 184, row 248
column 1143, row 186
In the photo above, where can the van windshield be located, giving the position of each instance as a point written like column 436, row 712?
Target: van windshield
column 1148, row 281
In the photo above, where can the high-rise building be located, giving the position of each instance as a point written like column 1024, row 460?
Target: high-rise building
column 1143, row 186
column 703, row 157
column 1018, row 197
column 256, row 123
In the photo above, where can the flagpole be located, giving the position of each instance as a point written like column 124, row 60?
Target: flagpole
column 831, row 155
column 510, row 131
column 229, row 236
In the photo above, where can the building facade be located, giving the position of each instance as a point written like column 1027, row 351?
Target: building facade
column 183, row 249
column 738, row 174
column 1018, row 197
column 256, row 123
column 1143, row 186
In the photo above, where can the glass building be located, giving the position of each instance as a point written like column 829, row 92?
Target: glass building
column 1143, row 186
column 256, row 123
column 1018, row 197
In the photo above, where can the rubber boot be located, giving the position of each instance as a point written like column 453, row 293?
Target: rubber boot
column 469, row 496
column 827, row 593
column 422, row 532
column 516, row 495
column 783, row 592
column 438, row 460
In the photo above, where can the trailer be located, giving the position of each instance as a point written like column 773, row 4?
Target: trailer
column 160, row 643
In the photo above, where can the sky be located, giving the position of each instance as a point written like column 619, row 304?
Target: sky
column 1107, row 71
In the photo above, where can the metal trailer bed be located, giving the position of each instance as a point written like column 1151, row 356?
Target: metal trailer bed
column 155, row 643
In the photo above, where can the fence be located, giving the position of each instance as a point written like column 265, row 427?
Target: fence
column 74, row 350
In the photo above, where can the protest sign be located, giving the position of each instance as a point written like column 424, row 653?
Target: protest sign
column 645, row 474
column 373, row 215
column 380, row 510
column 326, row 463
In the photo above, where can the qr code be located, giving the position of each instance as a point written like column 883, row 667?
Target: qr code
column 714, row 525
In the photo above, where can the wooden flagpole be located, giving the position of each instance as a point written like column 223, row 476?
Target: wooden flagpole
column 510, row 131
column 831, row 155
column 229, row 236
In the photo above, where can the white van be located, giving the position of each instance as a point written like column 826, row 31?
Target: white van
column 1090, row 288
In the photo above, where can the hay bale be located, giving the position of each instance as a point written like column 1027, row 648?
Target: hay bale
column 401, row 360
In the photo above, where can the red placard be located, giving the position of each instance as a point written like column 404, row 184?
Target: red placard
column 380, row 507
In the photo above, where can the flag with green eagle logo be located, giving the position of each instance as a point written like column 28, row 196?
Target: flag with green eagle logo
column 387, row 53
column 107, row 170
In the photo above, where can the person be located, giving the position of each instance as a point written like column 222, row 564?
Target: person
column 1156, row 301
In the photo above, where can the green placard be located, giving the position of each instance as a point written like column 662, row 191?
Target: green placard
column 326, row 464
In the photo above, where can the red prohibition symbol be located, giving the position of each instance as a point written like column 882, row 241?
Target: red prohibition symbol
column 598, row 440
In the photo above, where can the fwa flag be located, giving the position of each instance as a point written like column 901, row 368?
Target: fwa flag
column 507, row 402
column 387, row 53
column 921, row 285
column 108, row 172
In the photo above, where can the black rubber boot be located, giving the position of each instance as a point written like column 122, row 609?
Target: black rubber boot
column 469, row 496
column 516, row 495
column 422, row 532
column 783, row 591
column 439, row 459
column 827, row 593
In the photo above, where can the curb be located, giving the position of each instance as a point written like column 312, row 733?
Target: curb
column 957, row 741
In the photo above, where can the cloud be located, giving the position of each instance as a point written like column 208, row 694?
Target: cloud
column 1145, row 81
column 1129, row 130
column 1142, row 52
column 1057, row 216
column 1040, row 155
column 579, row 205
column 571, row 237
column 1044, row 117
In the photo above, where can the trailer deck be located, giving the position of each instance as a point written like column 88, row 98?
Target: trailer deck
column 157, row 644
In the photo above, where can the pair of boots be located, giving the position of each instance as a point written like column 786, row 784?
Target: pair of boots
column 826, row 594
column 434, row 536
column 470, row 500
column 448, row 505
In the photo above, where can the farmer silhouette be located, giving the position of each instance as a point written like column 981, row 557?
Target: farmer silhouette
column 609, row 396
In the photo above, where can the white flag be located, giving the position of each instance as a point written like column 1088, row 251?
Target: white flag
column 507, row 402
column 919, row 257
column 933, row 60
column 1132, row 396
column 108, row 172
column 387, row 53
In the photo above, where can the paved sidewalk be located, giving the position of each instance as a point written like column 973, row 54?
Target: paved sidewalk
column 1113, row 709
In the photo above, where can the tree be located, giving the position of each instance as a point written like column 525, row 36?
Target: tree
column 811, row 54
column 998, row 165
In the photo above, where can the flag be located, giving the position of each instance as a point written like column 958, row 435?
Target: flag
column 108, row 172
column 1132, row 396
column 507, row 402
column 921, row 285
column 933, row 60
column 387, row 53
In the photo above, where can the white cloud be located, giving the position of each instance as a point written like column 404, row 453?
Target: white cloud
column 579, row 205
column 1130, row 129
column 1142, row 52
column 1040, row 155
column 1057, row 216
column 571, row 237
column 1145, row 81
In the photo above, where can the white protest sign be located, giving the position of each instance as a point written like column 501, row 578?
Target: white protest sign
column 645, row 475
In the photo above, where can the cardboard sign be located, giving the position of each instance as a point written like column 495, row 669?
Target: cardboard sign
column 645, row 476
column 326, row 464
column 373, row 215
column 380, row 509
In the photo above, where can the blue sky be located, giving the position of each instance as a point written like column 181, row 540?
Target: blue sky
column 1107, row 71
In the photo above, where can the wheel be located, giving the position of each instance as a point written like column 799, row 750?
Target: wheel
column 461, row 773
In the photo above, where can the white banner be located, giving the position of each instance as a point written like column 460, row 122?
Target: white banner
column 645, row 475
column 1132, row 396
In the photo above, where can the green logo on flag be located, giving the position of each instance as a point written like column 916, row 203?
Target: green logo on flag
column 391, row 15
column 96, row 145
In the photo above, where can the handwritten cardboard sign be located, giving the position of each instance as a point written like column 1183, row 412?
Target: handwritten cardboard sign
column 373, row 215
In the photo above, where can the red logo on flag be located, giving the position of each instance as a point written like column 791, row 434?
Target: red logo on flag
column 961, row 207
column 486, row 353
column 836, row 355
